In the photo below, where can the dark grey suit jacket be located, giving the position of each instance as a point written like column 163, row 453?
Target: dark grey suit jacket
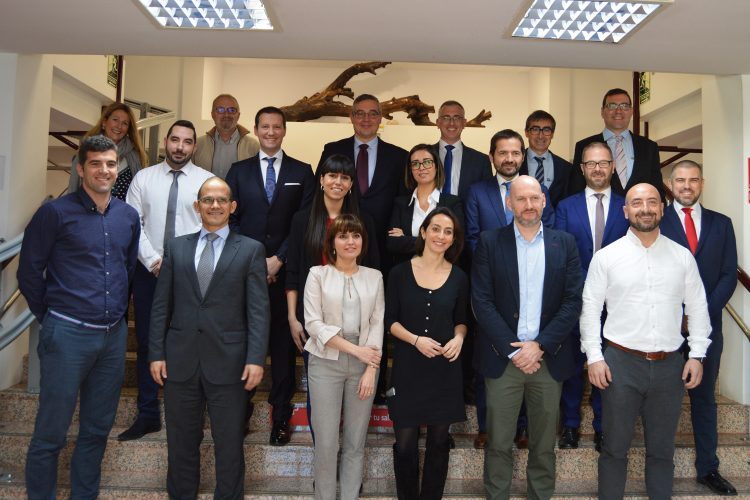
column 475, row 167
column 223, row 331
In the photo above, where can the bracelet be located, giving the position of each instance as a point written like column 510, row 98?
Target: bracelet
column 415, row 341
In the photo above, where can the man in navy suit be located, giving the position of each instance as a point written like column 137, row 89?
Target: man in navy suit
column 549, row 169
column 636, row 158
column 595, row 219
column 526, row 295
column 270, row 188
column 710, row 237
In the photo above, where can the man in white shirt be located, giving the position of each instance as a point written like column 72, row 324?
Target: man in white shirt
column 645, row 279
column 163, row 195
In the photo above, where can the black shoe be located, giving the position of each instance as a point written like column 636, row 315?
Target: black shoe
column 451, row 441
column 140, row 428
column 280, row 434
column 568, row 439
column 522, row 438
column 598, row 441
column 717, row 484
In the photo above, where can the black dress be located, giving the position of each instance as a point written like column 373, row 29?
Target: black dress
column 427, row 390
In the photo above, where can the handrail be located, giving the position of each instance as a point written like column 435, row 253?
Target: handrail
column 737, row 319
column 743, row 278
column 10, row 249
column 11, row 333
column 9, row 303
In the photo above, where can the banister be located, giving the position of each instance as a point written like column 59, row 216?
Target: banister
column 743, row 278
column 737, row 319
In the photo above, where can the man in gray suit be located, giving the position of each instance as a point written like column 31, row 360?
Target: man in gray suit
column 208, row 341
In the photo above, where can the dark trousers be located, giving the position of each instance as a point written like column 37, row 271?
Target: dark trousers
column 283, row 356
column 653, row 390
column 703, row 410
column 572, row 396
column 406, row 462
column 481, row 395
column 76, row 362
column 144, row 284
column 184, row 408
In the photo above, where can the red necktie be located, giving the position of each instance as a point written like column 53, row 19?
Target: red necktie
column 692, row 236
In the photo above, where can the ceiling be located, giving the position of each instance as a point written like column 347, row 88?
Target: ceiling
column 689, row 36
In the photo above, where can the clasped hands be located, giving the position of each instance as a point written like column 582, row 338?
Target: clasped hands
column 251, row 375
column 529, row 356
column 430, row 347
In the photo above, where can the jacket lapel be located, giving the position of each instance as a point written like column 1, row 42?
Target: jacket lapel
column 495, row 200
column 672, row 220
column 225, row 260
column 257, row 176
column 583, row 215
column 611, row 216
column 706, row 228
column 190, row 246
column 509, row 256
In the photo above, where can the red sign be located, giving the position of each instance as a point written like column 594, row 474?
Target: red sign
column 379, row 418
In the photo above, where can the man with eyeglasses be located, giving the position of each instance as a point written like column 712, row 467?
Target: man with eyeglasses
column 227, row 142
column 546, row 167
column 163, row 196
column 636, row 158
column 595, row 218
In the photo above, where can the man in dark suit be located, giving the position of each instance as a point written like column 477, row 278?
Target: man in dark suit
column 463, row 165
column 595, row 219
column 208, row 340
column 549, row 169
column 636, row 158
column 270, row 188
column 710, row 237
column 526, row 295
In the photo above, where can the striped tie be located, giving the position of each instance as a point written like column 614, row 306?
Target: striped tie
column 539, row 170
column 621, row 164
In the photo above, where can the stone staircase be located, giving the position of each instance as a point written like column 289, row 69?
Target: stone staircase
column 137, row 469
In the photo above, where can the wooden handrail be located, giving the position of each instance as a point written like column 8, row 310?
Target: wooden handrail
column 743, row 278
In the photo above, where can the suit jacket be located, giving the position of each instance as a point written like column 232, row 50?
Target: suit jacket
column 267, row 222
column 495, row 299
column 572, row 217
column 646, row 167
column 221, row 332
column 716, row 256
column 559, row 188
column 483, row 210
column 475, row 167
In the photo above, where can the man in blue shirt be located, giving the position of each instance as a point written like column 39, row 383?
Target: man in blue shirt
column 77, row 258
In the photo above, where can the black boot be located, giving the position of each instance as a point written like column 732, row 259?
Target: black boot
column 406, row 468
column 435, row 469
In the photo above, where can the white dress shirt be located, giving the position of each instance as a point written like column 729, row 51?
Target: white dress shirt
column 218, row 244
column 695, row 214
column 644, row 290
column 419, row 215
column 149, row 195
column 276, row 164
column 501, row 181
column 458, row 155
column 591, row 202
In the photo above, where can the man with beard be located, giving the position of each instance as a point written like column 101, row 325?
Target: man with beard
column 163, row 195
column 710, row 237
column 526, row 295
column 645, row 279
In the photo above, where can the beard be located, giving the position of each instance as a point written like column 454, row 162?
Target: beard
column 645, row 227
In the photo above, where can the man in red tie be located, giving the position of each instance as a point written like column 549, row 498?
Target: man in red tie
column 710, row 237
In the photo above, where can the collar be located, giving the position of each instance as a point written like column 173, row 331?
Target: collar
column 187, row 169
column 458, row 145
column 372, row 143
column 502, row 179
column 530, row 154
column 223, row 233
column 679, row 206
column 434, row 196
column 590, row 192
column 539, row 234
column 233, row 139
column 279, row 155
column 633, row 239
column 85, row 200
column 608, row 134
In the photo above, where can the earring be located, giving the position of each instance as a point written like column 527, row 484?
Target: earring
column 321, row 187
column 334, row 251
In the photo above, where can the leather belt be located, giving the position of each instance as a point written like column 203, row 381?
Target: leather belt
column 650, row 356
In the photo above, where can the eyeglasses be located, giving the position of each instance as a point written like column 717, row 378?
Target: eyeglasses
column 360, row 115
column 451, row 118
column 210, row 200
column 544, row 130
column 623, row 106
column 221, row 110
column 591, row 165
column 425, row 164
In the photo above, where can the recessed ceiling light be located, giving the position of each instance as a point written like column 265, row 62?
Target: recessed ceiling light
column 209, row 14
column 588, row 21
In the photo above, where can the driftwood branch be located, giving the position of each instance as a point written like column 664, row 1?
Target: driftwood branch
column 477, row 121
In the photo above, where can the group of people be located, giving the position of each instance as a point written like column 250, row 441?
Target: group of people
column 495, row 288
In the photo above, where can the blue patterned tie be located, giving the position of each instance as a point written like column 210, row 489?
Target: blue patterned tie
column 448, row 164
column 539, row 170
column 508, row 211
column 270, row 178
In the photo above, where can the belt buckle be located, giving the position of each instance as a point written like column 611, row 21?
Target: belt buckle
column 653, row 356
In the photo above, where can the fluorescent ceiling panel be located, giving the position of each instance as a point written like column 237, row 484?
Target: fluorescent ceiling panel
column 588, row 21
column 209, row 14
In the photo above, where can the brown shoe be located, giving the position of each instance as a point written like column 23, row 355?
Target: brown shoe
column 480, row 441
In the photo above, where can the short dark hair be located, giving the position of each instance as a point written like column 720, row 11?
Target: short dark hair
column 271, row 110
column 506, row 134
column 365, row 97
column 439, row 169
column 686, row 163
column 454, row 251
column 452, row 103
column 596, row 144
column 344, row 223
column 96, row 144
column 612, row 92
column 183, row 123
column 539, row 115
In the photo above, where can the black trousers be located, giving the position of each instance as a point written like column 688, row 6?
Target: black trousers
column 283, row 355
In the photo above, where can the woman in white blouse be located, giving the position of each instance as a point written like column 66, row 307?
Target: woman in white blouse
column 344, row 309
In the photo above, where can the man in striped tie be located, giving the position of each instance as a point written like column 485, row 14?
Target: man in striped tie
column 549, row 169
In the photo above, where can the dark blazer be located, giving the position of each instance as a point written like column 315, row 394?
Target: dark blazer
column 483, row 210
column 716, row 256
column 559, row 188
column 475, row 167
column 646, row 167
column 221, row 332
column 402, row 247
column 496, row 301
column 572, row 217
column 266, row 222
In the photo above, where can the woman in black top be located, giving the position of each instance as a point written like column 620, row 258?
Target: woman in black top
column 425, row 311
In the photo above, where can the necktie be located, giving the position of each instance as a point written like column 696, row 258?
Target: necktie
column 270, row 178
column 621, row 164
column 169, row 230
column 508, row 211
column 539, row 170
column 363, row 167
column 598, row 222
column 448, row 164
column 690, row 232
column 206, row 263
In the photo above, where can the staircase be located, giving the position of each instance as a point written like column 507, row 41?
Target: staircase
column 137, row 469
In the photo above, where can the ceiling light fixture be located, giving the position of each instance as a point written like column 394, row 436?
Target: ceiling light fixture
column 590, row 21
column 209, row 14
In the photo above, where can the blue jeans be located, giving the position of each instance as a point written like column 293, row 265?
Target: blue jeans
column 74, row 360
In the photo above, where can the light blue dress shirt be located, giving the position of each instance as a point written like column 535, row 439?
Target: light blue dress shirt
column 627, row 144
column 549, row 166
column 530, row 255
